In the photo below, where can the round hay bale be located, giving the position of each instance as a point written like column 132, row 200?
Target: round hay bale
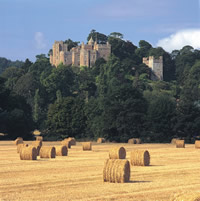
column 116, row 171
column 20, row 146
column 197, row 144
column 132, row 141
column 72, row 140
column 28, row 153
column 61, row 150
column 101, row 140
column 180, row 143
column 37, row 143
column 66, row 143
column 37, row 148
column 140, row 158
column 47, row 152
column 173, row 141
column 138, row 141
column 187, row 196
column 87, row 146
column 117, row 153
column 19, row 140
column 39, row 138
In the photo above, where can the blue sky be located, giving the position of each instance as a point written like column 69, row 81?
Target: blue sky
column 30, row 27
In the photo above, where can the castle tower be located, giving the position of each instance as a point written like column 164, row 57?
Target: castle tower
column 103, row 50
column 156, row 65
column 62, row 57
column 75, row 56
column 59, row 49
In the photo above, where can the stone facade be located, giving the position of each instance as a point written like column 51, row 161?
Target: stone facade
column 156, row 66
column 83, row 55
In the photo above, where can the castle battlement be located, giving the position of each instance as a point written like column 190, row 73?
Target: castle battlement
column 83, row 55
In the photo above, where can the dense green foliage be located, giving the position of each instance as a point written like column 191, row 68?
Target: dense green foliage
column 5, row 63
column 114, row 99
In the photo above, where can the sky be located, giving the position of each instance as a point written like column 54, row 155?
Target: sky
column 30, row 27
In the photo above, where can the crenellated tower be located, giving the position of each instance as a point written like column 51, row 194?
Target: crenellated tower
column 156, row 65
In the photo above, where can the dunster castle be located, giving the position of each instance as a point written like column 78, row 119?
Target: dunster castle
column 83, row 55
column 87, row 54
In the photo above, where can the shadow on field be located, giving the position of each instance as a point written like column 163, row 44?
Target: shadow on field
column 139, row 181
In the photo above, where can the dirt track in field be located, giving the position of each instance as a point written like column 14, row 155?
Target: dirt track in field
column 78, row 176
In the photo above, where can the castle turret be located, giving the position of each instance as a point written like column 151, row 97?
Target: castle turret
column 82, row 45
column 91, row 41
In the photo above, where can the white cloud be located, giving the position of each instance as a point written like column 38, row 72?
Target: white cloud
column 40, row 40
column 180, row 39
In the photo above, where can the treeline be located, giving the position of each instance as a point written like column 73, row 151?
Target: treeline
column 114, row 99
column 5, row 63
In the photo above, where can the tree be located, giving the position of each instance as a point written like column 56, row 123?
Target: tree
column 98, row 37
column 191, row 87
column 184, row 61
column 15, row 114
column 12, row 74
column 66, row 118
column 120, row 107
column 123, row 49
column 36, row 108
column 5, row 63
column 71, row 43
column 143, row 50
column 86, row 83
column 40, row 66
column 26, row 65
column 188, row 120
column 116, row 35
column 26, row 87
column 160, row 118
column 61, row 78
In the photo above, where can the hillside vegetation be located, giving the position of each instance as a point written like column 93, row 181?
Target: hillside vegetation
column 114, row 99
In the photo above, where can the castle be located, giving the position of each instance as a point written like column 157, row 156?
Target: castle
column 87, row 54
column 83, row 55
column 156, row 66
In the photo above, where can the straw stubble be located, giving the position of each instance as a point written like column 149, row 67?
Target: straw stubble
column 187, row 196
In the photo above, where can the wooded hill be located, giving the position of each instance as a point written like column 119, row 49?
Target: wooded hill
column 114, row 99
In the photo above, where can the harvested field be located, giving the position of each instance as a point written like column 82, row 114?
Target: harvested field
column 79, row 176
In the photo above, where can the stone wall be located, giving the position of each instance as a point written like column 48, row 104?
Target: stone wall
column 83, row 55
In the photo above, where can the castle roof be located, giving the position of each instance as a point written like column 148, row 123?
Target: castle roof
column 91, row 41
